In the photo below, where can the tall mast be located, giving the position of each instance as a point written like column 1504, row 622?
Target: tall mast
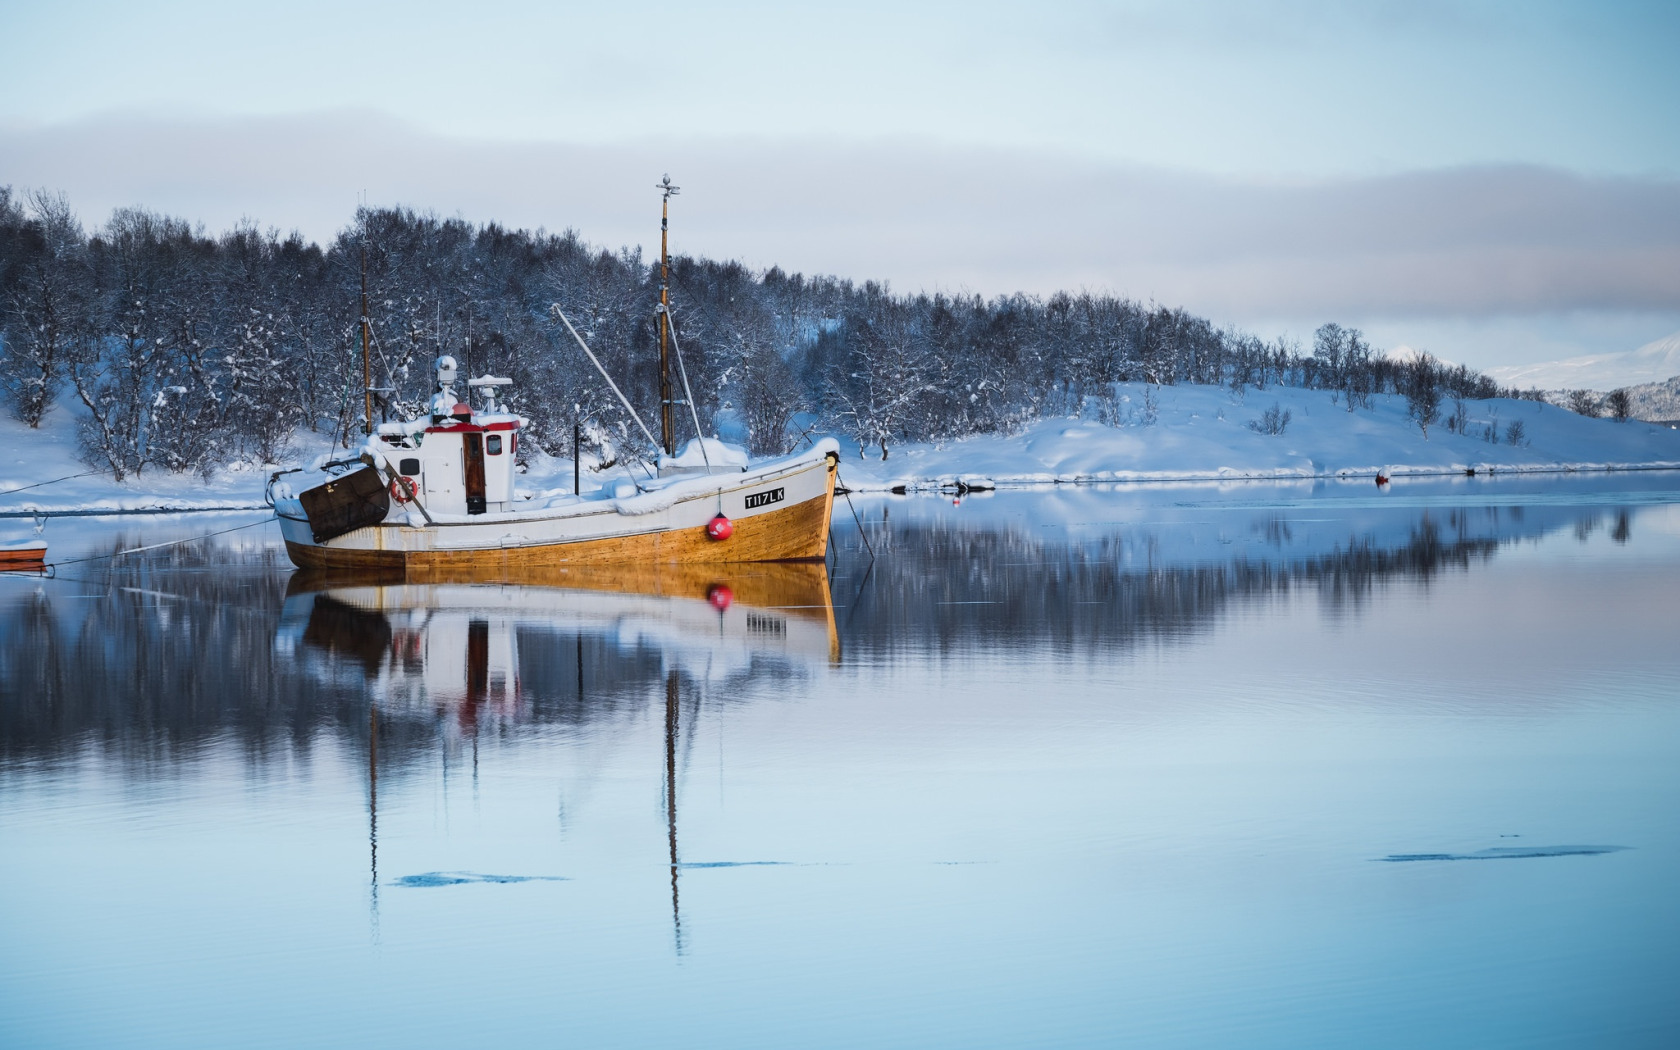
column 367, row 366
column 667, row 428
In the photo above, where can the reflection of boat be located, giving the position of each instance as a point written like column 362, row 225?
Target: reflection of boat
column 467, row 648
column 438, row 490
column 453, row 638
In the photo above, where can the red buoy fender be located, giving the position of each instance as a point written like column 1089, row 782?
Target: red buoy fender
column 720, row 528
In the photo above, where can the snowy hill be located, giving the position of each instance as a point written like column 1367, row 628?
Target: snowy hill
column 1652, row 363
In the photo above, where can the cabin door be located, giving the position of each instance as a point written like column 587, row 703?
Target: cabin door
column 472, row 466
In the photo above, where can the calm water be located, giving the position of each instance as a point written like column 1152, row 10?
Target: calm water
column 1064, row 768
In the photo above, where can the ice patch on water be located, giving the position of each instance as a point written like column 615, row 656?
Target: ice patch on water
column 460, row 878
column 736, row 864
column 1510, row 853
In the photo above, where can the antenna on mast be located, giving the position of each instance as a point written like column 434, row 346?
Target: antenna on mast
column 667, row 426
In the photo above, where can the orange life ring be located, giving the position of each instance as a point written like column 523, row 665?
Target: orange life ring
column 402, row 489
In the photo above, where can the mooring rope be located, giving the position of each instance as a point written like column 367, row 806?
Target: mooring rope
column 159, row 546
column 54, row 481
column 848, row 494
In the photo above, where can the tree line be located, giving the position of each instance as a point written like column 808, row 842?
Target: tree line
column 187, row 350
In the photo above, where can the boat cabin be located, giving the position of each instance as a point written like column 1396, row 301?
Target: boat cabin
column 454, row 460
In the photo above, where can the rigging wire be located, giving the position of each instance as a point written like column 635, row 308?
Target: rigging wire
column 555, row 309
column 688, row 393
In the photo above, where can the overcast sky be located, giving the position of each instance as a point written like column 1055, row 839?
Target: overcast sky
column 1497, row 182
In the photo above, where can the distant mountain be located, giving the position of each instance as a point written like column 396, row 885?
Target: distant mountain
column 1652, row 363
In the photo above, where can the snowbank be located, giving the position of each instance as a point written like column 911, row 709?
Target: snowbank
column 1202, row 433
column 30, row 457
column 702, row 453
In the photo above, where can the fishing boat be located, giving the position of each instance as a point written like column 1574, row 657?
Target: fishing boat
column 439, row 491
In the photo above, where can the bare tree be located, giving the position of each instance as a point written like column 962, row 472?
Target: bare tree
column 46, row 318
column 884, row 377
column 1621, row 404
column 1423, row 392
column 1273, row 421
column 1584, row 403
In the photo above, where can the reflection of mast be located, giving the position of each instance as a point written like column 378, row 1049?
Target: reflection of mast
column 373, row 813
column 671, row 795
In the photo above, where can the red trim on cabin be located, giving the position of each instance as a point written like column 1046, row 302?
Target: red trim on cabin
column 471, row 428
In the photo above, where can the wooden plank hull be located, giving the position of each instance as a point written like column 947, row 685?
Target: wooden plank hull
column 23, row 559
column 792, row 528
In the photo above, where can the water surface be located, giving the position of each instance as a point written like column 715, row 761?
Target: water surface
column 1067, row 767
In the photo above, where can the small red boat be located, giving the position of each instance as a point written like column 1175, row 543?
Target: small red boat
column 28, row 556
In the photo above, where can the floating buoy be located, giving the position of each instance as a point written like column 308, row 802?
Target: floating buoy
column 720, row 596
column 720, row 527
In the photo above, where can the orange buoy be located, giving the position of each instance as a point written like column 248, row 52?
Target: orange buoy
column 402, row 489
column 720, row 527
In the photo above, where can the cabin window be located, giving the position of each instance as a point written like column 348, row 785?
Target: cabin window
column 409, row 466
column 493, row 444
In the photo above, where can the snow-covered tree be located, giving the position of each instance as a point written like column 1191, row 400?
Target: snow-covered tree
column 46, row 299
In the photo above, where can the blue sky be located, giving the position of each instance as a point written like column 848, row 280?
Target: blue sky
column 1498, row 181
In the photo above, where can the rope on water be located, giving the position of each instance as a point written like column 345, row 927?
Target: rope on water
column 848, row 493
column 158, row 546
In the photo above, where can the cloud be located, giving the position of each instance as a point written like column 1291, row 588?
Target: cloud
column 1469, row 242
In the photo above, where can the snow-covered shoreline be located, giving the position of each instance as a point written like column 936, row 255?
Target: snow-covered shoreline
column 1203, row 434
column 1166, row 435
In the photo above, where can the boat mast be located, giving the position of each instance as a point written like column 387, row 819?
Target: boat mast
column 667, row 428
column 367, row 367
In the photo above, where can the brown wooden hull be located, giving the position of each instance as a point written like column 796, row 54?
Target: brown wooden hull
column 795, row 533
column 23, row 559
